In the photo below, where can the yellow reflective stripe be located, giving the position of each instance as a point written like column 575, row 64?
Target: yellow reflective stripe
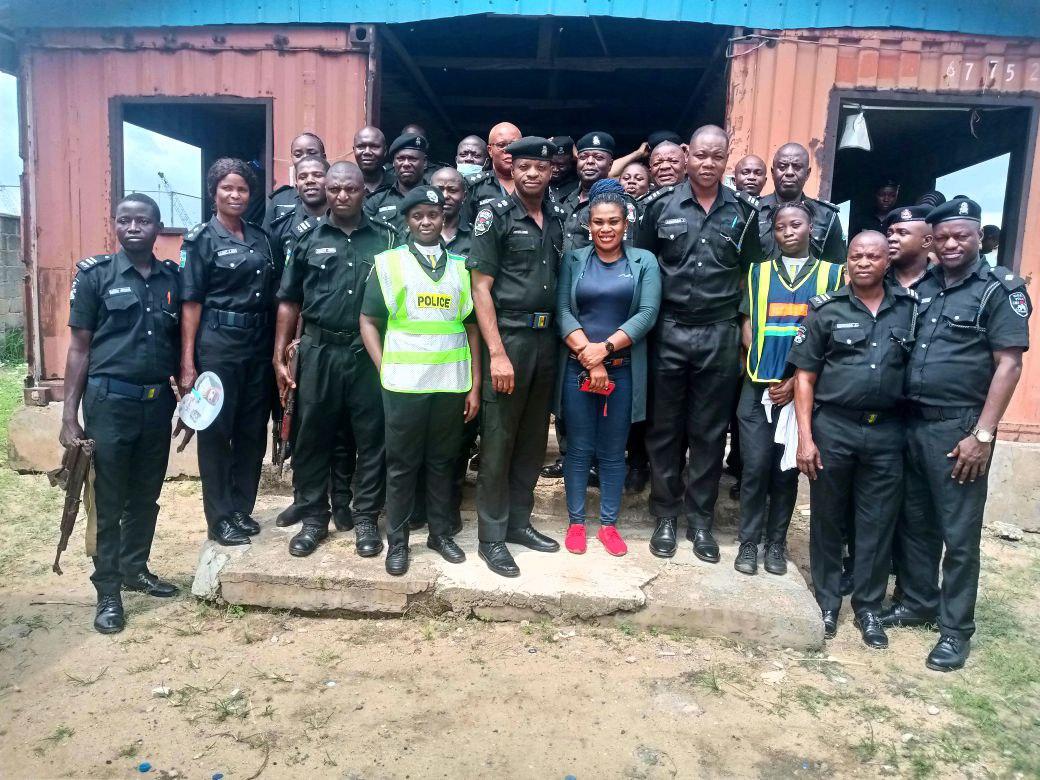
column 425, row 327
column 439, row 358
column 759, row 309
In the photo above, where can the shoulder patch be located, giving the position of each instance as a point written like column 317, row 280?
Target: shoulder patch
column 750, row 200
column 659, row 193
column 501, row 206
column 476, row 178
column 308, row 224
column 1008, row 280
column 820, row 300
column 799, row 335
column 1019, row 303
column 905, row 292
column 482, row 222
column 87, row 263
column 192, row 234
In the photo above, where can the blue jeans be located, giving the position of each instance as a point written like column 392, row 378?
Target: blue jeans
column 593, row 434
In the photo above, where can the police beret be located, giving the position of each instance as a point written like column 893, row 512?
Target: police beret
column 564, row 143
column 596, row 140
column 533, row 147
column 958, row 208
column 907, row 214
column 408, row 141
column 660, row 136
column 419, row 195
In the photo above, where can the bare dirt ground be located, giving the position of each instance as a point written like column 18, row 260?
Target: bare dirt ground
column 195, row 689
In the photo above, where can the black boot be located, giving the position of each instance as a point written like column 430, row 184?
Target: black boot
column 447, row 548
column 949, row 653
column 830, row 623
column 248, row 525
column 662, row 543
column 228, row 534
column 306, row 541
column 109, row 618
column 871, row 630
column 367, row 541
column 397, row 559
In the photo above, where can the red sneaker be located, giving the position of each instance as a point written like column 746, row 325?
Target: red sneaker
column 612, row 540
column 575, row 541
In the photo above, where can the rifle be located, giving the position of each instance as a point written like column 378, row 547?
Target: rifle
column 282, row 427
column 71, row 477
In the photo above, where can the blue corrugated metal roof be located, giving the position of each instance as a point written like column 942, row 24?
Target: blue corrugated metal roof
column 1018, row 18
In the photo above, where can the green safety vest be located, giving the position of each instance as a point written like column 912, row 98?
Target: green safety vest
column 425, row 349
column 777, row 309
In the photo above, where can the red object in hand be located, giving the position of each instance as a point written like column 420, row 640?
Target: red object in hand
column 585, row 387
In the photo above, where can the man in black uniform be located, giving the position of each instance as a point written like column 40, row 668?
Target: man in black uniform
column 370, row 155
column 850, row 355
column 125, row 349
column 705, row 236
column 972, row 332
column 408, row 154
column 325, row 280
column 495, row 183
column 909, row 245
column 749, row 175
column 285, row 199
column 790, row 171
column 517, row 245
column 667, row 165
column 472, row 151
column 564, row 178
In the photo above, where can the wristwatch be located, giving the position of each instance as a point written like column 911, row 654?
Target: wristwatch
column 984, row 436
column 609, row 347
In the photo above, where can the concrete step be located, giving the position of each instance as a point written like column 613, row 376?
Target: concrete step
column 681, row 593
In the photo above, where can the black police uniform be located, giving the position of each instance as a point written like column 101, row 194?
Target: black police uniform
column 383, row 204
column 859, row 359
column 235, row 281
column 337, row 384
column 695, row 352
column 127, row 403
column 524, row 260
column 826, row 239
column 282, row 201
column 482, row 189
column 948, row 379
column 570, row 182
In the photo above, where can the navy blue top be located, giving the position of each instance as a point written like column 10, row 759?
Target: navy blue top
column 604, row 295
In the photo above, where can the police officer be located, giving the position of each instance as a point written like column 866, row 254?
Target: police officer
column 230, row 275
column 285, row 199
column 972, row 332
column 790, row 171
column 749, row 175
column 850, row 356
column 420, row 298
column 309, row 185
column 495, row 183
column 705, row 237
column 370, row 156
column 517, row 245
column 408, row 154
column 337, row 385
column 564, row 177
column 471, row 155
column 595, row 156
column 909, row 245
column 667, row 164
column 123, row 354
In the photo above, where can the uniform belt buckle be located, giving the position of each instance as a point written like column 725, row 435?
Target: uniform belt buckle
column 539, row 321
column 150, row 393
column 871, row 418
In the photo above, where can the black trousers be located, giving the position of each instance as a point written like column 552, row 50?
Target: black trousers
column 767, row 494
column 337, row 394
column 515, row 432
column 132, row 440
column 865, row 463
column 231, row 450
column 423, row 435
column 940, row 511
column 636, row 454
column 734, row 460
column 694, row 370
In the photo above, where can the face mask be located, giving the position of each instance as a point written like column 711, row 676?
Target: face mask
column 468, row 169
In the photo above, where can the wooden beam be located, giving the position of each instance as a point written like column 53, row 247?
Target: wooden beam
column 417, row 76
column 586, row 64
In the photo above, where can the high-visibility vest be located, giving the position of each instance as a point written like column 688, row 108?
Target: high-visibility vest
column 777, row 309
column 425, row 349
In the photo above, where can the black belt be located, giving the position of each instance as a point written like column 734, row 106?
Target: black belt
column 322, row 336
column 934, row 413
column 683, row 318
column 129, row 390
column 857, row 415
column 235, row 319
column 538, row 320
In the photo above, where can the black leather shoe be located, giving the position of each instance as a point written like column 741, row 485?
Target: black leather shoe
column 498, row 558
column 899, row 616
column 248, row 525
column 662, row 543
column 306, row 541
column 775, row 558
column 949, row 654
column 146, row 582
column 109, row 618
column 227, row 534
column 704, row 546
column 746, row 561
column 367, row 541
column 636, row 479
column 553, row 470
column 342, row 518
column 447, row 547
column 734, row 491
column 830, row 623
column 288, row 516
column 870, row 628
column 532, row 540
column 397, row 559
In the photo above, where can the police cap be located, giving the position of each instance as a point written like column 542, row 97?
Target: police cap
column 533, row 147
column 658, row 137
column 418, row 196
column 907, row 214
column 564, row 144
column 596, row 140
column 409, row 141
column 958, row 208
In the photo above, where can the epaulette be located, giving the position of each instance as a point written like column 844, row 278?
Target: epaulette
column 905, row 292
column 559, row 210
column 173, row 265
column 748, row 200
column 825, row 203
column 308, row 224
column 477, row 178
column 192, row 234
column 820, row 300
column 658, row 193
column 502, row 206
column 280, row 218
column 1008, row 280
column 90, row 262
column 279, row 191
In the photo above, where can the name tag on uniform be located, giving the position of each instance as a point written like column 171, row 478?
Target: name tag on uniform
column 224, row 252
column 520, row 232
column 925, row 300
column 843, row 325
column 119, row 290
column 675, row 221
column 387, row 208
column 325, row 250
column 433, row 301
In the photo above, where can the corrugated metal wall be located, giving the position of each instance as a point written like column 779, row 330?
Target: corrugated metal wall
column 316, row 79
column 780, row 90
